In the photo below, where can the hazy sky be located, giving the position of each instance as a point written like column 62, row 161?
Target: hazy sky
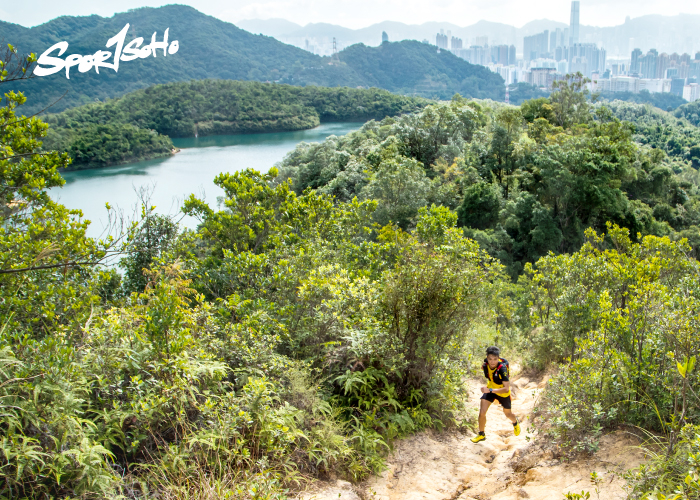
column 361, row 13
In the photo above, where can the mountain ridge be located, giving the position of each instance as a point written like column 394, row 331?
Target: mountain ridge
column 214, row 49
column 614, row 38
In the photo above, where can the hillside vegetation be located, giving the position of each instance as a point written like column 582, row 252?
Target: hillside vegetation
column 663, row 101
column 524, row 181
column 326, row 309
column 138, row 125
column 690, row 112
column 213, row 49
column 521, row 92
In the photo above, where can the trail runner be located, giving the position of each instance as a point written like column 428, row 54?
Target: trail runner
column 497, row 390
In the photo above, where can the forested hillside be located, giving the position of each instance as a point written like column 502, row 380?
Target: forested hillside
column 521, row 92
column 324, row 310
column 690, row 112
column 412, row 67
column 138, row 125
column 663, row 101
column 210, row 48
column 524, row 181
column 678, row 138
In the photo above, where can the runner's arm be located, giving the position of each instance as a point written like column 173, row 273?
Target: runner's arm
column 504, row 389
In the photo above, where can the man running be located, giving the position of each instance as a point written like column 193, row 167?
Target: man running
column 497, row 390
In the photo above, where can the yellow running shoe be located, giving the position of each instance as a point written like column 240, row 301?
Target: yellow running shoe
column 516, row 428
column 478, row 437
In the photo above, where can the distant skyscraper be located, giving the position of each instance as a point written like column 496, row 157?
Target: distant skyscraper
column 574, row 25
column 662, row 64
column 536, row 46
column 385, row 37
column 648, row 64
column 441, row 40
column 677, row 85
column 694, row 70
column 558, row 38
column 586, row 58
column 635, row 63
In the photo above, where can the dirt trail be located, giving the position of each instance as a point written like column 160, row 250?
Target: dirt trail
column 441, row 466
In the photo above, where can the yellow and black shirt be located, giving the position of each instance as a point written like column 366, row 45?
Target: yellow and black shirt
column 497, row 376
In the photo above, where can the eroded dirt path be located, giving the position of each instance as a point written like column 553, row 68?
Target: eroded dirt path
column 441, row 466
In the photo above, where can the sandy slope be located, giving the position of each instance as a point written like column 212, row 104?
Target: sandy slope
column 438, row 466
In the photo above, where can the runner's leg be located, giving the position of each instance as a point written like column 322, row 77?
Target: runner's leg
column 510, row 415
column 482, row 414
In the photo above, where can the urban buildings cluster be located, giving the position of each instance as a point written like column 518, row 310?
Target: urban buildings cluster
column 654, row 72
column 548, row 56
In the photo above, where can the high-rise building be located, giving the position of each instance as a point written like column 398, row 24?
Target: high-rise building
column 561, row 54
column 542, row 77
column 385, row 37
column 455, row 43
column 635, row 63
column 475, row 54
column 691, row 92
column 694, row 69
column 574, row 24
column 536, row 46
column 558, row 38
column 586, row 58
column 663, row 62
column 511, row 55
column 503, row 55
column 648, row 64
column 677, row 85
column 441, row 40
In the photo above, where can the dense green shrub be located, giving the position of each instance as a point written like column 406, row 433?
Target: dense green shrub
column 673, row 472
column 624, row 316
column 689, row 112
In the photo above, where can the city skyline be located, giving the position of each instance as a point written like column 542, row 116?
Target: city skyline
column 548, row 56
column 352, row 15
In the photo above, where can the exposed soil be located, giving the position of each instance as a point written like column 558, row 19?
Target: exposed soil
column 441, row 466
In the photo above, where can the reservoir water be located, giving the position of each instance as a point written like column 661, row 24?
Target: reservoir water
column 192, row 170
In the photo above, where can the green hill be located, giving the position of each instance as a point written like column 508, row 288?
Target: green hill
column 210, row 48
column 690, row 112
column 663, row 101
column 521, row 184
column 411, row 67
column 136, row 125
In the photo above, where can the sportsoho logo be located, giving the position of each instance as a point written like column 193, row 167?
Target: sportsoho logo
column 99, row 59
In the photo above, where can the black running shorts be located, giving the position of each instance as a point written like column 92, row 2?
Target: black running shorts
column 491, row 397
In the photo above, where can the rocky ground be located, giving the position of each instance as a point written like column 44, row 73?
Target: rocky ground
column 440, row 466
